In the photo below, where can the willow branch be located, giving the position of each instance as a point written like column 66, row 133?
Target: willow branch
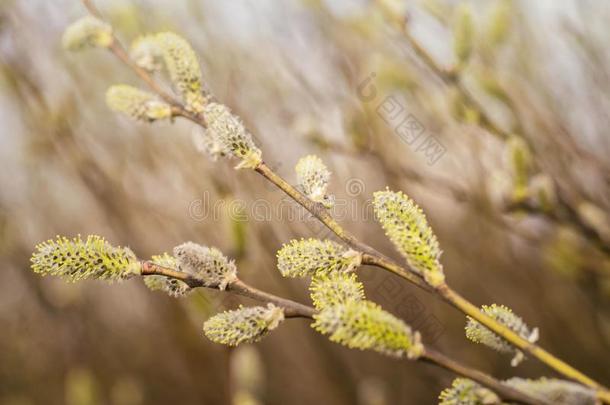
column 372, row 257
column 119, row 51
column 294, row 309
column 375, row 258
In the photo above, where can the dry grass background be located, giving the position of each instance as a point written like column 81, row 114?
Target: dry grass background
column 291, row 70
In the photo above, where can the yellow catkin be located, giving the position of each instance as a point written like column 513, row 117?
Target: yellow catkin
column 307, row 257
column 77, row 259
column 137, row 104
column 406, row 226
column 312, row 178
column 183, row 68
column 365, row 325
column 243, row 325
column 87, row 32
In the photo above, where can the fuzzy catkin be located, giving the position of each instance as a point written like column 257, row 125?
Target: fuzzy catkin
column 87, row 32
column 366, row 326
column 207, row 264
column 555, row 391
column 478, row 333
column 147, row 53
column 137, row 104
column 313, row 177
column 207, row 142
column 243, row 325
column 183, row 68
column 171, row 286
column 406, row 226
column 231, row 136
column 335, row 288
column 77, row 259
column 307, row 257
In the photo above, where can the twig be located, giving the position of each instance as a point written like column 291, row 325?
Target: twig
column 506, row 393
column 292, row 309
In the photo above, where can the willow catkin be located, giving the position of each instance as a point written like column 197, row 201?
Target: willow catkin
column 406, row 226
column 77, row 259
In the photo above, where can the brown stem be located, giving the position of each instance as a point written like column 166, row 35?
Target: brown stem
column 505, row 392
column 292, row 309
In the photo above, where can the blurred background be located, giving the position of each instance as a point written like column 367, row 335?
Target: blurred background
column 495, row 121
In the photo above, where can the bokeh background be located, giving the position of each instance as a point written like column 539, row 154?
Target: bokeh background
column 527, row 227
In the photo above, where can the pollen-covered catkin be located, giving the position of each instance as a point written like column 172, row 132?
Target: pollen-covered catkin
column 481, row 334
column 231, row 135
column 183, row 68
column 137, row 104
column 243, row 325
column 307, row 257
column 366, row 326
column 87, row 32
column 76, row 259
column 406, row 226
column 335, row 288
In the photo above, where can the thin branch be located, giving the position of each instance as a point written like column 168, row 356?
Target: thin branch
column 292, row 309
column 504, row 391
